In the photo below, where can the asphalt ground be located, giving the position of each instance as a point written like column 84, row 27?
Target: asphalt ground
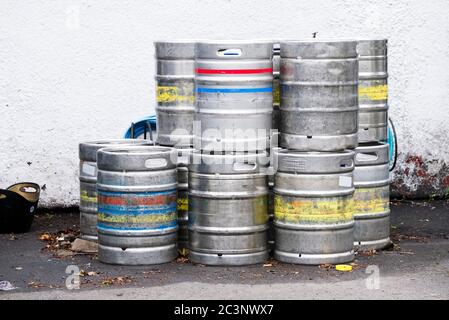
column 416, row 267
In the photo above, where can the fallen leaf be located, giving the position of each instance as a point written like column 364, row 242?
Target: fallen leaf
column 267, row 265
column 45, row 237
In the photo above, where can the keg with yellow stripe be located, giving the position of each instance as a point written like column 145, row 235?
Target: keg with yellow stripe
column 373, row 90
column 137, row 193
column 372, row 196
column 88, row 182
column 183, row 196
column 313, row 214
column 175, row 92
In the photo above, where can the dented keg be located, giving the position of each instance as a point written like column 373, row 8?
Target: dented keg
column 373, row 90
column 175, row 92
column 183, row 199
column 319, row 105
column 234, row 95
column 313, row 207
column 88, row 182
column 137, row 192
column 372, row 196
column 228, row 209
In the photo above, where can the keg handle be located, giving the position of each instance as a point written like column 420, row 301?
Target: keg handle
column 346, row 163
column 366, row 157
column 155, row 163
column 244, row 167
column 229, row 52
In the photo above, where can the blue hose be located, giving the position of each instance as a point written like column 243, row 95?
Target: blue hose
column 140, row 127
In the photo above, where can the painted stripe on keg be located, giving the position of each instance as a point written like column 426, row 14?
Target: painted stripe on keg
column 171, row 225
column 86, row 197
column 233, row 90
column 130, row 200
column 371, row 200
column 234, row 71
column 313, row 210
column 137, row 210
column 142, row 194
column 375, row 93
column 169, row 94
column 140, row 219
column 183, row 204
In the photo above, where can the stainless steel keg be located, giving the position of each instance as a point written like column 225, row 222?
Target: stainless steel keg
column 183, row 199
column 137, row 193
column 319, row 105
column 372, row 196
column 175, row 92
column 228, row 209
column 313, row 207
column 373, row 90
column 276, row 85
column 234, row 95
column 88, row 182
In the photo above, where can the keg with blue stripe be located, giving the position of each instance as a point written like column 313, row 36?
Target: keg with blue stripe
column 88, row 181
column 234, row 95
column 137, row 194
column 175, row 92
column 373, row 90
column 372, row 196
column 319, row 97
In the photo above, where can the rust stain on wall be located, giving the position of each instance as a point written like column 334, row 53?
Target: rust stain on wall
column 416, row 177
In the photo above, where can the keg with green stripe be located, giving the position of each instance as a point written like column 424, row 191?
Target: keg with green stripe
column 373, row 90
column 137, row 195
column 88, row 182
column 372, row 196
column 313, row 214
column 234, row 95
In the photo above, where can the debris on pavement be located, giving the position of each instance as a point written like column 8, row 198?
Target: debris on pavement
column 60, row 243
column 343, row 267
column 84, row 246
column 6, row 286
column 35, row 285
column 117, row 281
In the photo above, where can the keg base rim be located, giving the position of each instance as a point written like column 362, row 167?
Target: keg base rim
column 372, row 244
column 314, row 259
column 319, row 142
column 228, row 259
column 137, row 256
column 88, row 237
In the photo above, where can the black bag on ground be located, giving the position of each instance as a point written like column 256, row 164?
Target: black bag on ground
column 18, row 204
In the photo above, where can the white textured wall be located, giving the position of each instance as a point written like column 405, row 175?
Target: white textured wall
column 79, row 70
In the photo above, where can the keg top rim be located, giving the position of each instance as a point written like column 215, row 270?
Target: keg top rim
column 317, row 40
column 368, row 40
column 110, row 142
column 313, row 153
column 176, row 41
column 236, row 41
column 138, row 149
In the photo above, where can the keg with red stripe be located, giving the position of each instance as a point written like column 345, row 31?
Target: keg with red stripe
column 234, row 95
column 137, row 200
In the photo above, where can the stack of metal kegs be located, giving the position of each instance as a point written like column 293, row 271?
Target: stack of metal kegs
column 218, row 183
